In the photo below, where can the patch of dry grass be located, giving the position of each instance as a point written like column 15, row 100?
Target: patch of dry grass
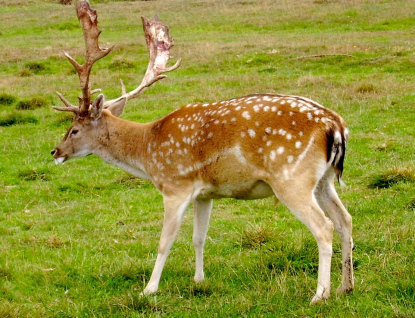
column 391, row 177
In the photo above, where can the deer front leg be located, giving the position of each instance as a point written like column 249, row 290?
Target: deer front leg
column 174, row 208
column 202, row 209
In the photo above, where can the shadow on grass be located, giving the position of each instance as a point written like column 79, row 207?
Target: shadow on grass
column 390, row 178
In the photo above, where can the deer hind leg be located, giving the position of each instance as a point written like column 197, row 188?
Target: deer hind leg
column 299, row 198
column 174, row 208
column 202, row 209
column 330, row 203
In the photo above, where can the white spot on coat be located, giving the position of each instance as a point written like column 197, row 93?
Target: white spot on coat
column 246, row 115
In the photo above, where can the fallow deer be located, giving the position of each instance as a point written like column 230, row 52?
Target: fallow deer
column 246, row 148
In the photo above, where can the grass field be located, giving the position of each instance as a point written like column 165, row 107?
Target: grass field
column 80, row 240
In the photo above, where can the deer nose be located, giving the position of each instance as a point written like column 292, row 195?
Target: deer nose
column 53, row 152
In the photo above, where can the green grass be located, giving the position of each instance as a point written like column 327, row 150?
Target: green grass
column 80, row 240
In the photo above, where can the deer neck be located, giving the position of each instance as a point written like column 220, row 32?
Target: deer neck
column 123, row 144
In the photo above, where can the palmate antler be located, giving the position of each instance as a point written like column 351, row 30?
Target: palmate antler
column 158, row 41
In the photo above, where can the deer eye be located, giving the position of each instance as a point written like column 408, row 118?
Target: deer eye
column 74, row 131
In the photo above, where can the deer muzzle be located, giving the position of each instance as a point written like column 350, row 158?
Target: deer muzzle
column 58, row 158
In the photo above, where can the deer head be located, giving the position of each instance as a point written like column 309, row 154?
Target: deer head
column 87, row 128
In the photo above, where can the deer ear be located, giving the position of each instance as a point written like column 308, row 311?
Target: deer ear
column 97, row 106
column 117, row 108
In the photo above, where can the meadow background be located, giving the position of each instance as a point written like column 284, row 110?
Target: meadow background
column 80, row 240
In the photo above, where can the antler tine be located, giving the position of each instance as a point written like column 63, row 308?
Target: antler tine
column 89, row 22
column 69, row 107
column 159, row 43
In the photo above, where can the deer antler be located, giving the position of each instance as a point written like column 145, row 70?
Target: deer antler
column 89, row 22
column 159, row 43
